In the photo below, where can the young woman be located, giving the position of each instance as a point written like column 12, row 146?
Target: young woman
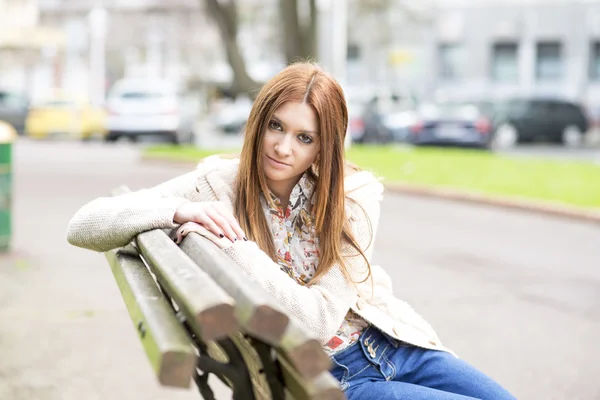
column 301, row 221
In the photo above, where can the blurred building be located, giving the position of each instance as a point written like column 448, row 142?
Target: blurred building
column 389, row 43
column 172, row 39
column 507, row 48
column 142, row 38
column 480, row 49
column 27, row 47
column 438, row 48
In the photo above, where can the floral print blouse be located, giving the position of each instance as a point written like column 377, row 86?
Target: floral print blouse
column 297, row 247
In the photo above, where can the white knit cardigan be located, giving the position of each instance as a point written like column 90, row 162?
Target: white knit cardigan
column 110, row 222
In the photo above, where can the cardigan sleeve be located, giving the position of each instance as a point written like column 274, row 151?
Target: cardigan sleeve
column 323, row 305
column 110, row 222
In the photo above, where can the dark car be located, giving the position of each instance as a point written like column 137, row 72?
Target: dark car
column 386, row 117
column 14, row 107
column 531, row 120
column 456, row 124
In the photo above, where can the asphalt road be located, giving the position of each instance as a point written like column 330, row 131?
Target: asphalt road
column 515, row 294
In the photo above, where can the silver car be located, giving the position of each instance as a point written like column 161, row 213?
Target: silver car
column 148, row 108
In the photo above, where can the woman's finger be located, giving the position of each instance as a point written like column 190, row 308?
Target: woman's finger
column 204, row 218
column 223, row 223
column 183, row 230
column 189, row 227
column 225, row 213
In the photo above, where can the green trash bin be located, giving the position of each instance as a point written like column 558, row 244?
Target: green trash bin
column 7, row 138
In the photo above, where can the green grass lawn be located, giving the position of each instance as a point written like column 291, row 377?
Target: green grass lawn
column 567, row 182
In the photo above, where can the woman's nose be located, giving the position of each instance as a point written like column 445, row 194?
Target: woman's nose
column 284, row 145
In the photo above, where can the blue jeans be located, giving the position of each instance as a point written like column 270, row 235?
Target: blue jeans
column 380, row 367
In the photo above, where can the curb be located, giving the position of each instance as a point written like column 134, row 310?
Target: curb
column 539, row 207
column 530, row 206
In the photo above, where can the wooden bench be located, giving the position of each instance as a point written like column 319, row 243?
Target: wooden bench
column 196, row 312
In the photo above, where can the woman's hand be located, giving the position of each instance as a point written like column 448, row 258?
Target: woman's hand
column 188, row 227
column 213, row 216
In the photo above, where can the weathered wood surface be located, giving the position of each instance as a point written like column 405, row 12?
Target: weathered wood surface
column 304, row 351
column 218, row 299
column 206, row 306
column 255, row 310
column 165, row 342
column 322, row 387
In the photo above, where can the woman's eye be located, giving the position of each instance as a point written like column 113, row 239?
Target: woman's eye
column 276, row 126
column 305, row 138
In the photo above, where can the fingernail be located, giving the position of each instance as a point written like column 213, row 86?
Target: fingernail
column 235, row 239
column 221, row 235
column 245, row 238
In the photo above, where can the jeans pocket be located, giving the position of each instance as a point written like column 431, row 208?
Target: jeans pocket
column 349, row 364
column 340, row 372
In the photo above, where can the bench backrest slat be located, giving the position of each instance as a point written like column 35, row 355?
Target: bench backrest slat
column 218, row 299
column 206, row 306
column 256, row 311
column 322, row 387
column 304, row 351
column 164, row 340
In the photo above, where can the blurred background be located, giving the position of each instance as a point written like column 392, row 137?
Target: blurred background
column 423, row 72
column 476, row 98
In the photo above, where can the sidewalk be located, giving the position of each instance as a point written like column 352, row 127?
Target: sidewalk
column 502, row 288
column 65, row 333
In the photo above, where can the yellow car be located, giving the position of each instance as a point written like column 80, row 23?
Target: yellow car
column 64, row 115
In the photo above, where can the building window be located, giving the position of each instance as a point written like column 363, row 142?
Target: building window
column 505, row 65
column 549, row 63
column 353, row 53
column 595, row 61
column 451, row 61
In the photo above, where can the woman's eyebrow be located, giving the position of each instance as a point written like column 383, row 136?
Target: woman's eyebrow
column 276, row 118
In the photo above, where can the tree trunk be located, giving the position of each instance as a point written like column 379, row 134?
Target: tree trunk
column 310, row 36
column 292, row 41
column 299, row 38
column 226, row 17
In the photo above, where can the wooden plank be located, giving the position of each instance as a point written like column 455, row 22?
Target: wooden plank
column 256, row 311
column 206, row 306
column 322, row 387
column 165, row 341
column 305, row 365
column 304, row 351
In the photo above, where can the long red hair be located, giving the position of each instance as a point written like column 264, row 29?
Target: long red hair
column 300, row 82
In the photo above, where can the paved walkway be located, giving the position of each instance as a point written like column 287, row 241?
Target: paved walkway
column 516, row 295
column 64, row 331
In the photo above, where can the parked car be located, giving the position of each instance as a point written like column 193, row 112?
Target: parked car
column 230, row 117
column 458, row 124
column 356, row 124
column 528, row 120
column 148, row 108
column 387, row 116
column 64, row 114
column 14, row 107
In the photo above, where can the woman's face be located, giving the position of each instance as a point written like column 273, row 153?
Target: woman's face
column 291, row 144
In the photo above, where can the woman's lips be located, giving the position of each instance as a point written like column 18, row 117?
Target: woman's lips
column 277, row 164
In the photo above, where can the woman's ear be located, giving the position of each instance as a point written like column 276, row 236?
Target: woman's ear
column 317, row 160
column 315, row 165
